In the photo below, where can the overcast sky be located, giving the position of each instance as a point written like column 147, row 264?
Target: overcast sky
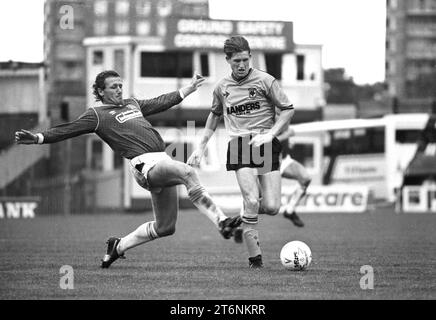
column 352, row 32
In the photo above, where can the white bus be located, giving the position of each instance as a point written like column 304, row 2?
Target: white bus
column 365, row 152
column 343, row 158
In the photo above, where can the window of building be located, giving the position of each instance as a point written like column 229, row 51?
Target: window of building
column 421, row 4
column 143, row 8
column 143, row 28
column 164, row 8
column 96, row 155
column 392, row 67
column 100, row 7
column 393, row 45
column 167, row 64
column 161, row 28
column 392, row 24
column 97, row 57
column 119, row 59
column 300, row 66
column 273, row 63
column 122, row 27
column 70, row 70
column 122, row 7
column 100, row 27
column 392, row 89
column 204, row 64
column 118, row 161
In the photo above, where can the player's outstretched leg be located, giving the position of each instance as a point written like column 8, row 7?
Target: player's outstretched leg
column 171, row 172
column 111, row 252
column 165, row 207
column 205, row 204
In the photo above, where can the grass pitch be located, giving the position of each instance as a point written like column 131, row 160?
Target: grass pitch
column 197, row 263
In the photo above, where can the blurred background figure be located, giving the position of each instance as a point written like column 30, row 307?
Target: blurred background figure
column 292, row 169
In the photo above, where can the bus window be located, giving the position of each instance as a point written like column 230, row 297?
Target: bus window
column 407, row 136
column 303, row 153
column 357, row 141
column 377, row 139
column 342, row 134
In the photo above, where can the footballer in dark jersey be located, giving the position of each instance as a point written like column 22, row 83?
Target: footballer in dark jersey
column 122, row 124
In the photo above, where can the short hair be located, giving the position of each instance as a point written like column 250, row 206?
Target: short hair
column 100, row 82
column 235, row 44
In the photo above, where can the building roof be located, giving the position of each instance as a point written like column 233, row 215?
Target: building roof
column 14, row 65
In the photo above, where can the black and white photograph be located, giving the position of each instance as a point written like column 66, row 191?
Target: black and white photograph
column 225, row 158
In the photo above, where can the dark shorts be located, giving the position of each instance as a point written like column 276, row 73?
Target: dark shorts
column 242, row 155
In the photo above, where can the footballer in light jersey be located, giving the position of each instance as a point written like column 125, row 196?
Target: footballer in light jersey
column 247, row 99
column 248, row 104
column 121, row 123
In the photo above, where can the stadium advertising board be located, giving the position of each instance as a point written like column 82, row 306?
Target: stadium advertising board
column 337, row 198
column 334, row 198
column 207, row 34
column 319, row 199
column 18, row 207
column 419, row 199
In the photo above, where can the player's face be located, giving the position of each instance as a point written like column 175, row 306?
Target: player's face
column 240, row 64
column 113, row 91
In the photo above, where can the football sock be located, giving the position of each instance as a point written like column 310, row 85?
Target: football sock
column 251, row 238
column 250, row 212
column 144, row 233
column 205, row 204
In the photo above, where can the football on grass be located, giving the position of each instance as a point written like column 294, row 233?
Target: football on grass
column 296, row 256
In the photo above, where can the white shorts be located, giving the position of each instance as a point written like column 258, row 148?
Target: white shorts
column 285, row 163
column 148, row 161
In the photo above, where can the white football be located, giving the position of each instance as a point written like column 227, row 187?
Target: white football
column 296, row 255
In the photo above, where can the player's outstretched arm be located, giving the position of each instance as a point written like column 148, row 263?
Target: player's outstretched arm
column 25, row 137
column 168, row 100
column 196, row 82
column 86, row 123
column 209, row 129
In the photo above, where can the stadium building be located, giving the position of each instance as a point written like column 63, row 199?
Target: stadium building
column 157, row 46
column 22, row 88
column 411, row 55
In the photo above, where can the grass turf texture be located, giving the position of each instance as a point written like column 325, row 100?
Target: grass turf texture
column 197, row 263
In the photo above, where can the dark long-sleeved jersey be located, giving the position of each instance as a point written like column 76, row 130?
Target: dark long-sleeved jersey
column 123, row 127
